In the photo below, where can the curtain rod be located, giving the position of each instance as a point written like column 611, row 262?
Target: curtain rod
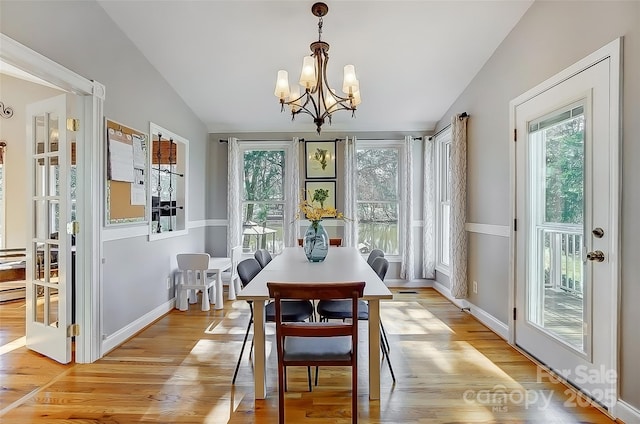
column 224, row 140
column 462, row 115
column 377, row 139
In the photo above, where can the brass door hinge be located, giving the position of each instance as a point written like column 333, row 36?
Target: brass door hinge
column 73, row 227
column 73, row 124
column 73, row 330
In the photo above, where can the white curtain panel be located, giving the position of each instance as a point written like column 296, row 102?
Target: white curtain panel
column 234, row 203
column 292, row 195
column 458, row 213
column 350, row 207
column 428, row 210
column 407, row 265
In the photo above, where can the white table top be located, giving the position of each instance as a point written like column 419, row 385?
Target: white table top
column 219, row 264
column 341, row 264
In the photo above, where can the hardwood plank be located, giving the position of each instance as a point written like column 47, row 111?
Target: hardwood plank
column 179, row 370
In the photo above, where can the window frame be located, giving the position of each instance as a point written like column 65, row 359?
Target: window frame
column 443, row 163
column 400, row 146
column 283, row 145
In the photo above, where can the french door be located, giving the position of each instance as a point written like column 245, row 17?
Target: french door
column 48, row 294
column 566, row 240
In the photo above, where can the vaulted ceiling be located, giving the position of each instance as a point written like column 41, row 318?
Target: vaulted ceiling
column 413, row 58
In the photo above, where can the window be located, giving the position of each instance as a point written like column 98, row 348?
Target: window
column 443, row 187
column 378, row 198
column 263, row 199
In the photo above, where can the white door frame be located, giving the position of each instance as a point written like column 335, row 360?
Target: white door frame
column 90, row 199
column 612, row 50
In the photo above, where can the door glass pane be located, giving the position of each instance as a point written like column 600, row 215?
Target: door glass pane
column 46, row 305
column 54, row 177
column 54, row 218
column 39, row 303
column 40, row 226
column 39, row 133
column 54, row 132
column 39, row 269
column 556, row 294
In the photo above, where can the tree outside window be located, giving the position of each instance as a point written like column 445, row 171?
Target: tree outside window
column 378, row 199
column 263, row 200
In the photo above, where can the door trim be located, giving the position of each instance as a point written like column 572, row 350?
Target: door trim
column 90, row 203
column 613, row 50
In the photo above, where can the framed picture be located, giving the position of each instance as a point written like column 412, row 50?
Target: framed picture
column 320, row 158
column 329, row 186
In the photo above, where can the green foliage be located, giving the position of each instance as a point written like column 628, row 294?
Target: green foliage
column 263, row 178
column 564, row 177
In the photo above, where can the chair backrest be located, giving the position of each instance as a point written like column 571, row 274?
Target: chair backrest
column 263, row 257
column 380, row 266
column 335, row 242
column 247, row 269
column 320, row 291
column 193, row 261
column 193, row 267
column 375, row 253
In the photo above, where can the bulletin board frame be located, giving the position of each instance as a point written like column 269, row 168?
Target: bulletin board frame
column 120, row 191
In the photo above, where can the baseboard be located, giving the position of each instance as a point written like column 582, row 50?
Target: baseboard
column 116, row 339
column 488, row 320
column 494, row 324
column 626, row 413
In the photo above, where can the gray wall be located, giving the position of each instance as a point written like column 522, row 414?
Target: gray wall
column 82, row 37
column 550, row 37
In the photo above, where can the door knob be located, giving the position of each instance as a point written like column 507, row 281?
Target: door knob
column 597, row 256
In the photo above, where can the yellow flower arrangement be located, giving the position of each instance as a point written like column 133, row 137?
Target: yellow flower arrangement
column 316, row 214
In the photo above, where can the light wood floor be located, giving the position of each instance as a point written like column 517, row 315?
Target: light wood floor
column 450, row 369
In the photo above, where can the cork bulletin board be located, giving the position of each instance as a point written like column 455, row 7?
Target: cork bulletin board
column 126, row 188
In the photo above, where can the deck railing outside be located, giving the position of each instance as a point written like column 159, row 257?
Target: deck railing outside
column 563, row 250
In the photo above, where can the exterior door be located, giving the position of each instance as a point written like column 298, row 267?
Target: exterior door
column 48, row 304
column 566, row 161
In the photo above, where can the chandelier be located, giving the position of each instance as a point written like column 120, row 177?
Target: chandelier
column 318, row 100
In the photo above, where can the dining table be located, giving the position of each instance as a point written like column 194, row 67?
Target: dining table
column 341, row 264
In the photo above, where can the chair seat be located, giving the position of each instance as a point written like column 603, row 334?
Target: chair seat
column 292, row 311
column 317, row 348
column 341, row 309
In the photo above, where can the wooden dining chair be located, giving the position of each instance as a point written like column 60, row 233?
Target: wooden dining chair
column 194, row 278
column 316, row 343
column 337, row 242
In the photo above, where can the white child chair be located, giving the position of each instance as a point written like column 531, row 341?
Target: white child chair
column 231, row 276
column 193, row 267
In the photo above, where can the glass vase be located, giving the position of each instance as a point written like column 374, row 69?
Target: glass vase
column 316, row 242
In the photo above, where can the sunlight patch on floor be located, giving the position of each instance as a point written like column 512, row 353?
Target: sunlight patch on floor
column 11, row 346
